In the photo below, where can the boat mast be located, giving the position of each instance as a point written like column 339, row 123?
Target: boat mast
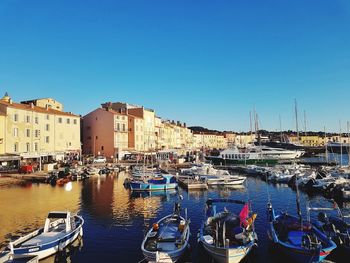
column 348, row 124
column 325, row 143
column 296, row 118
column 251, row 128
column 298, row 200
column 305, row 123
column 280, row 128
column 341, row 145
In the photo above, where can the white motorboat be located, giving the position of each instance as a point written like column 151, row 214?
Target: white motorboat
column 60, row 230
column 225, row 180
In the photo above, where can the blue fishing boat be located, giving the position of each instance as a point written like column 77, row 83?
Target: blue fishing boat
column 333, row 224
column 298, row 239
column 164, row 182
column 226, row 236
column 168, row 239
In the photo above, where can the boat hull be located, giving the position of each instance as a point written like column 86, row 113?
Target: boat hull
column 47, row 249
column 222, row 161
column 151, row 187
column 227, row 255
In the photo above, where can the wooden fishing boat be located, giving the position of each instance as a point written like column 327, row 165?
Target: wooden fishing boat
column 168, row 239
column 60, row 230
column 298, row 239
column 165, row 182
column 227, row 237
column 333, row 225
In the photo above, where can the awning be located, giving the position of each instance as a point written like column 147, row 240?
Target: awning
column 9, row 157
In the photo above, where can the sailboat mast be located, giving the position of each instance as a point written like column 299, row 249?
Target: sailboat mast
column 305, row 123
column 348, row 124
column 296, row 119
column 341, row 145
column 298, row 200
column 280, row 127
column 325, row 143
column 251, row 128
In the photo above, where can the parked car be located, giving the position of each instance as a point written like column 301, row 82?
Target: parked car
column 99, row 159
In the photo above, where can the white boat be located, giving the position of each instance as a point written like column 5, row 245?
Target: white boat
column 227, row 237
column 168, row 239
column 225, row 180
column 254, row 155
column 60, row 230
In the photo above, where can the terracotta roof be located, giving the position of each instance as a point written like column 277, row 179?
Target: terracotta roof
column 36, row 109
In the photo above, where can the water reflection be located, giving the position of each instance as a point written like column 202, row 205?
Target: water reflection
column 116, row 219
column 24, row 209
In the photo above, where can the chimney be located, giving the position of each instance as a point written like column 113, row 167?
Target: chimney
column 185, row 124
column 32, row 105
column 178, row 123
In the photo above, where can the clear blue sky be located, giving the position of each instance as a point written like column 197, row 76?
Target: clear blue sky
column 204, row 62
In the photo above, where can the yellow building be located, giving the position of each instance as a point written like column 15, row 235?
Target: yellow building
column 242, row 140
column 2, row 133
column 311, row 140
column 210, row 140
column 45, row 103
column 32, row 131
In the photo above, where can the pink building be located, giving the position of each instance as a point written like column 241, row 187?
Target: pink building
column 105, row 132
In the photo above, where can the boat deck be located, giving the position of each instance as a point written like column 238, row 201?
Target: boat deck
column 47, row 237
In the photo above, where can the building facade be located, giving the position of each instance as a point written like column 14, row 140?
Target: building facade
column 105, row 132
column 32, row 131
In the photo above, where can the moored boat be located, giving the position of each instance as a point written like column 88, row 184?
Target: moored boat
column 168, row 239
column 165, row 182
column 227, row 237
column 60, row 230
column 298, row 239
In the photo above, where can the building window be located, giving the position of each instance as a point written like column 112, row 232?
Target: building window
column 59, row 120
column 47, row 116
column 68, row 121
column 36, row 120
column 15, row 132
column 36, row 146
column 118, row 127
column 47, row 139
column 27, row 119
column 28, row 132
column 15, row 147
column 37, row 133
column 75, row 121
column 102, row 148
column 47, row 127
column 28, row 147
column 123, row 126
column 15, row 117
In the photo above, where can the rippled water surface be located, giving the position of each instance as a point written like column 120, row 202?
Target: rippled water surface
column 116, row 220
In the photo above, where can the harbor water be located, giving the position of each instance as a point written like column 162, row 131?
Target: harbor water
column 116, row 219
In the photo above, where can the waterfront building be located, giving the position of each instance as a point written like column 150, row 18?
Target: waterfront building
column 230, row 138
column 243, row 140
column 148, row 116
column 44, row 103
column 135, row 133
column 2, row 133
column 105, row 132
column 36, row 133
column 311, row 140
column 210, row 141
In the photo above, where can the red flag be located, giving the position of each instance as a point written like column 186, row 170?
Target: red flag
column 243, row 215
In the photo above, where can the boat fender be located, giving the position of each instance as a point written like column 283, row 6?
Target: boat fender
column 155, row 227
column 81, row 231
